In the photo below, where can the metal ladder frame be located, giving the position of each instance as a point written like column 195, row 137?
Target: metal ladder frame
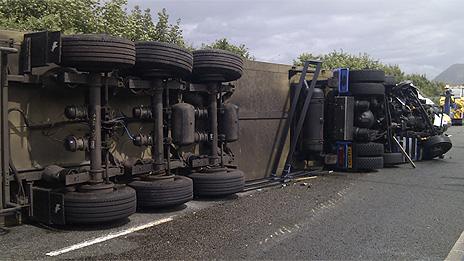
column 291, row 116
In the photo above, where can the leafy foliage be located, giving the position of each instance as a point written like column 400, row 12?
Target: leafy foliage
column 89, row 16
column 100, row 16
column 224, row 44
column 341, row 59
column 429, row 88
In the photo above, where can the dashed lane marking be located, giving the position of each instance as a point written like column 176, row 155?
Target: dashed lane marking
column 285, row 231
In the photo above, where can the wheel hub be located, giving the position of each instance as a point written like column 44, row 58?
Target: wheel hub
column 96, row 188
column 214, row 170
column 154, row 178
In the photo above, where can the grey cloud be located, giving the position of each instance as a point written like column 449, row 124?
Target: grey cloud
column 420, row 36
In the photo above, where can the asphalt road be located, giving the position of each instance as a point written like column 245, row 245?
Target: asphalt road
column 395, row 213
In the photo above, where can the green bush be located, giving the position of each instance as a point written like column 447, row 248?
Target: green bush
column 341, row 59
column 99, row 16
column 89, row 16
column 224, row 44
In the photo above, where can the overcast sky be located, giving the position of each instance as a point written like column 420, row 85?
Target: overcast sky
column 421, row 36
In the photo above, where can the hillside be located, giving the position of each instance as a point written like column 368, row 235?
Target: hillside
column 453, row 75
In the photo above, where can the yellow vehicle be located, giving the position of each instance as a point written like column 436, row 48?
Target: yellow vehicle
column 456, row 110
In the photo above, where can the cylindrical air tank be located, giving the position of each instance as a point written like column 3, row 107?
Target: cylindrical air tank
column 183, row 124
column 313, row 128
column 228, row 122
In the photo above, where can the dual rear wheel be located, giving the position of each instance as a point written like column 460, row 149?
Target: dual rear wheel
column 103, row 53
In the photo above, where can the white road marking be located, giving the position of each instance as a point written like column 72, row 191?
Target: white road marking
column 283, row 231
column 109, row 236
column 457, row 252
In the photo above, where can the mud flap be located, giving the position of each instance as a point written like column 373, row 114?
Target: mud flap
column 47, row 206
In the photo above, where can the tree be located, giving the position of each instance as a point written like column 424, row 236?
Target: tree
column 341, row 59
column 89, row 16
column 431, row 89
column 224, row 44
column 100, row 16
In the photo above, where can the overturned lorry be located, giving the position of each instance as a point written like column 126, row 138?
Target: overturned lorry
column 183, row 127
column 96, row 127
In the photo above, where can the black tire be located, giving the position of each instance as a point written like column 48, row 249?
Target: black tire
column 163, row 193
column 436, row 146
column 368, row 149
column 393, row 158
column 367, row 76
column 220, row 183
column 87, row 208
column 368, row 163
column 156, row 59
column 212, row 65
column 390, row 80
column 367, row 89
column 97, row 52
